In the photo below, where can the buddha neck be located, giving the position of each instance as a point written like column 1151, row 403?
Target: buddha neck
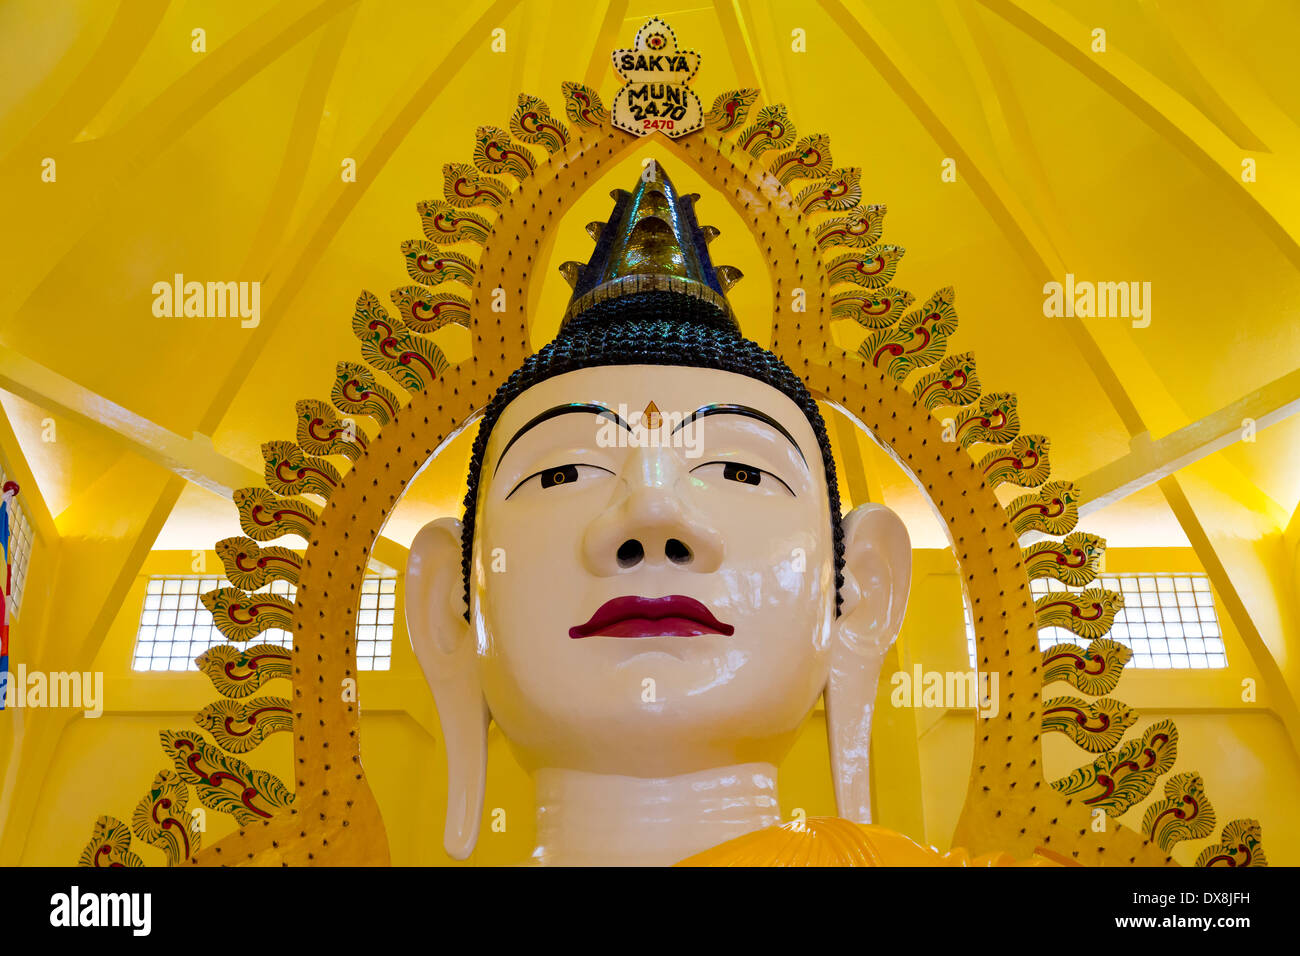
column 588, row 819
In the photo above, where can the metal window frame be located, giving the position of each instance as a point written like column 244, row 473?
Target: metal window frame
column 171, row 604
column 1162, row 635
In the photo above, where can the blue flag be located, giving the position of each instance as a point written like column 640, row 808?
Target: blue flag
column 4, row 530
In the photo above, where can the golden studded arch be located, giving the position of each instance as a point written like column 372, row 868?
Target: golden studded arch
column 352, row 457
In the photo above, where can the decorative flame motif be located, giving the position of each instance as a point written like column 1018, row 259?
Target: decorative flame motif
column 954, row 382
column 871, row 308
column 1024, row 463
column 160, row 819
column 322, row 432
column 532, row 122
column 858, row 231
column 412, row 360
column 918, row 341
column 424, row 311
column 265, row 516
column 495, row 153
column 1184, row 814
column 223, row 782
column 238, row 674
column 444, row 224
column 356, row 392
column 250, row 567
column 289, row 472
column 729, row 110
column 1073, row 562
column 771, row 129
column 1052, row 509
column 870, row 269
column 809, row 159
column 1241, row 844
column 840, row 190
column 1094, row 671
column 993, row 421
column 110, row 845
column 1121, row 779
column 240, row 726
column 1095, row 726
column 241, row 616
column 464, row 187
column 430, row 265
column 582, row 105
column 1087, row 613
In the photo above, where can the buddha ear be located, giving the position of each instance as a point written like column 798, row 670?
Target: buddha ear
column 877, row 577
column 441, row 638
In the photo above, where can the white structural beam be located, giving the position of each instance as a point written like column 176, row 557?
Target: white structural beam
column 1149, row 460
column 195, row 459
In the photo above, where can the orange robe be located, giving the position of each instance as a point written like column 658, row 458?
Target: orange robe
column 830, row 841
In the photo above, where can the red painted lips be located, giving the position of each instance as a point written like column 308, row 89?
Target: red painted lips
column 675, row 615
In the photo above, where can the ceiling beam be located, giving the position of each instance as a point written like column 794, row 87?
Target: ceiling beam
column 1280, row 697
column 768, row 50
column 299, row 256
column 856, row 482
column 740, row 47
column 106, row 168
column 195, row 459
column 916, row 89
column 1270, row 202
column 33, row 499
column 1149, row 460
column 611, row 27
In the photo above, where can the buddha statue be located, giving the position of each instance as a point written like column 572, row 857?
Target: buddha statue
column 653, row 583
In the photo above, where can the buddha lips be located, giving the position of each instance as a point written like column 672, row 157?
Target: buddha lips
column 674, row 615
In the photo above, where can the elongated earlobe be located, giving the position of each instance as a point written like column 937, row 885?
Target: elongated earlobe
column 877, row 577
column 441, row 639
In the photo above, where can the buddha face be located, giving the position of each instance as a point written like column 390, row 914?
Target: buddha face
column 652, row 600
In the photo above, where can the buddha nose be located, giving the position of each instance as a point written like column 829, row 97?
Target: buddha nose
column 651, row 526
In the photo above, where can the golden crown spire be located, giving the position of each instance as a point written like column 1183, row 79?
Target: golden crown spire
column 651, row 243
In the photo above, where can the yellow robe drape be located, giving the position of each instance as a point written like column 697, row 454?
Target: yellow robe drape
column 830, row 841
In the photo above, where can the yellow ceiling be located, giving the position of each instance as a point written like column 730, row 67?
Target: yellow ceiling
column 225, row 165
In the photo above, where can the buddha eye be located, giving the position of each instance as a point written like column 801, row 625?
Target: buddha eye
column 561, row 475
column 744, row 474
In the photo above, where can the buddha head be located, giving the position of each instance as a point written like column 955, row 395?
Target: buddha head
column 653, row 581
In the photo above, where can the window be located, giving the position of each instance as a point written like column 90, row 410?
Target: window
column 20, row 545
column 1169, row 620
column 175, row 627
column 375, row 623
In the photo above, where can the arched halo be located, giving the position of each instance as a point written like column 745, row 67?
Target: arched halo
column 335, row 485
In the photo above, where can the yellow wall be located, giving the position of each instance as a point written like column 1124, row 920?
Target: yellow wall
column 1241, row 749
column 922, row 756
